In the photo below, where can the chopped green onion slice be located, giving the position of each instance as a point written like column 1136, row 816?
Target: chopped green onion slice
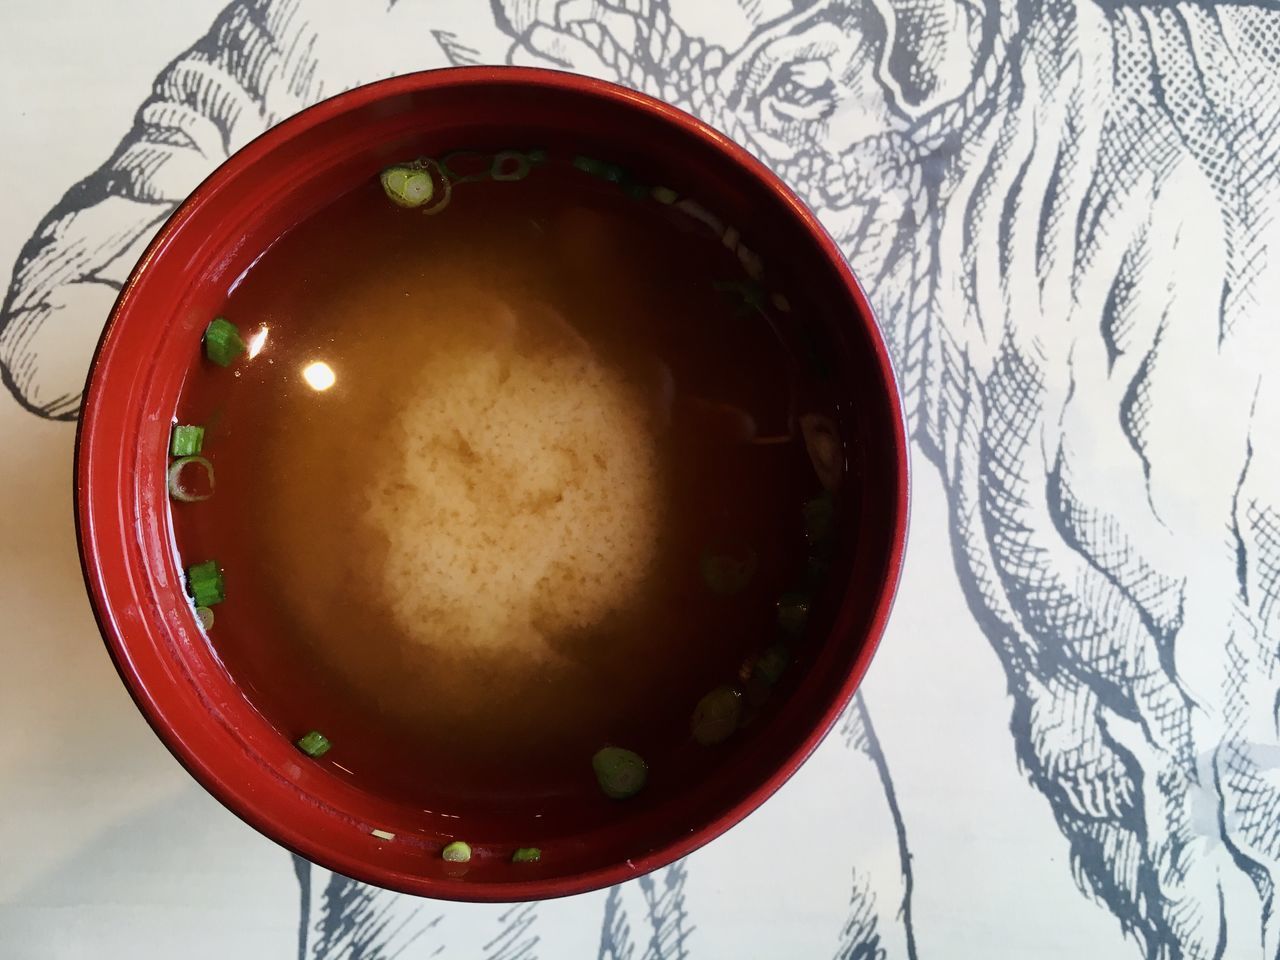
column 664, row 195
column 502, row 168
column 450, row 161
column 181, row 492
column 597, row 168
column 457, row 852
column 186, row 440
column 407, row 185
column 772, row 664
column 537, row 155
column 222, row 343
column 716, row 716
column 314, row 744
column 526, row 855
column 701, row 214
column 726, row 575
column 204, row 580
column 819, row 520
column 750, row 261
column 793, row 611
column 620, row 773
column 382, row 834
column 446, row 193
column 205, row 616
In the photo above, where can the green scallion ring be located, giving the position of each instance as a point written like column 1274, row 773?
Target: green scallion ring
column 407, row 185
column 176, row 488
column 453, row 176
column 519, row 172
column 591, row 165
column 314, row 744
column 456, row 852
column 222, row 342
column 716, row 716
column 620, row 773
column 186, row 440
column 205, row 583
column 446, row 189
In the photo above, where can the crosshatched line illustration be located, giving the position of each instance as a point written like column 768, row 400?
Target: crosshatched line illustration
column 1062, row 211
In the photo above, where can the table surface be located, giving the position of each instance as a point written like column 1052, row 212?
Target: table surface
column 1063, row 211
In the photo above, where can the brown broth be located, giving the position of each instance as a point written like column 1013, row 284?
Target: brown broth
column 379, row 294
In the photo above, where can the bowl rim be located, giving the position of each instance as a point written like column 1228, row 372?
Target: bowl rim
column 101, row 581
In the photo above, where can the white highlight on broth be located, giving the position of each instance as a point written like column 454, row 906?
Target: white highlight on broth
column 319, row 375
column 257, row 341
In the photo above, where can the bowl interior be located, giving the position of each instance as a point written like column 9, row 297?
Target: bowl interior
column 147, row 351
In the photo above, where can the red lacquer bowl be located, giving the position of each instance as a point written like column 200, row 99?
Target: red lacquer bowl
column 126, row 540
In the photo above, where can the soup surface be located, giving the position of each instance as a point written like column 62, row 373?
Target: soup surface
column 501, row 485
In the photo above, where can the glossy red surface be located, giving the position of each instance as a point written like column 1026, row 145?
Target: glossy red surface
column 146, row 351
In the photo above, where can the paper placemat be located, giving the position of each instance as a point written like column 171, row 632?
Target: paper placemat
column 1063, row 213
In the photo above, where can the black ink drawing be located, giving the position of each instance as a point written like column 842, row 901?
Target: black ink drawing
column 1063, row 210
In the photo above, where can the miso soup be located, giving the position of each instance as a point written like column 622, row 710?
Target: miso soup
column 500, row 479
